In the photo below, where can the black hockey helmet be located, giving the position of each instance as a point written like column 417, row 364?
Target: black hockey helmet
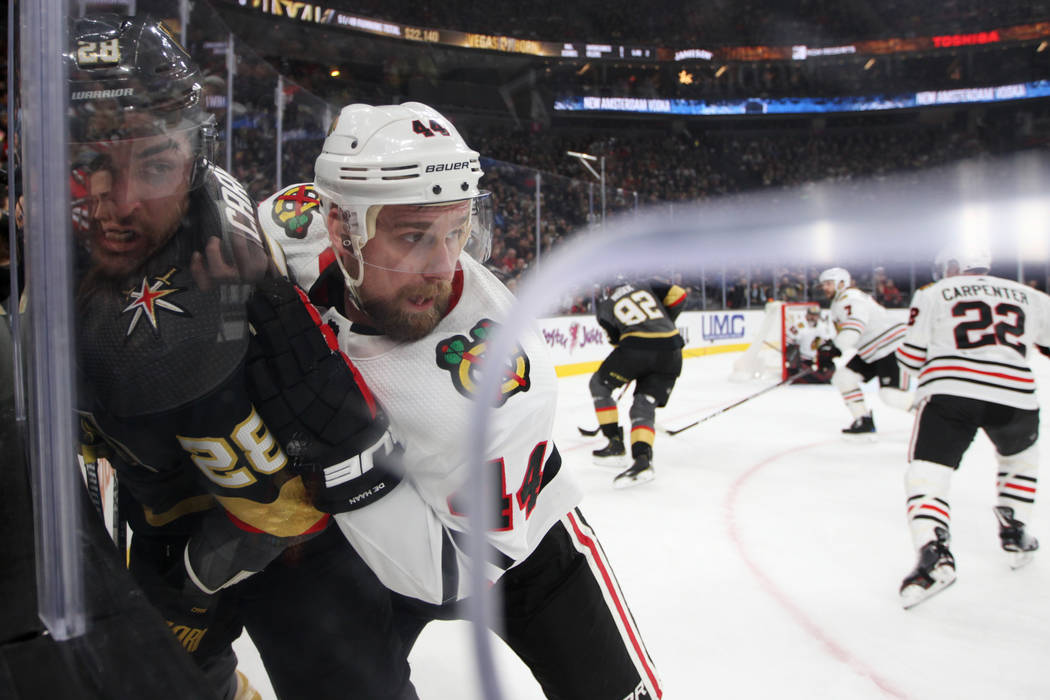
column 130, row 77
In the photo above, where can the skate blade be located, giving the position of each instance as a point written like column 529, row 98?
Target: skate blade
column 628, row 481
column 915, row 594
column 860, row 437
column 619, row 462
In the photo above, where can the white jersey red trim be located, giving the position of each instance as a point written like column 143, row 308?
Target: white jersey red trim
column 426, row 388
column 970, row 336
column 877, row 334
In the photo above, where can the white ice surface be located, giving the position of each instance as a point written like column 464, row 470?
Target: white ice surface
column 765, row 558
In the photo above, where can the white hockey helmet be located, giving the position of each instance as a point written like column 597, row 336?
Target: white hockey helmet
column 407, row 154
column 839, row 275
column 959, row 258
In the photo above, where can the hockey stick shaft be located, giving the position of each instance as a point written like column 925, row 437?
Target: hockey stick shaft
column 591, row 432
column 797, row 375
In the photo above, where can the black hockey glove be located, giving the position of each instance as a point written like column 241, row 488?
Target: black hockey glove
column 157, row 565
column 826, row 354
column 314, row 400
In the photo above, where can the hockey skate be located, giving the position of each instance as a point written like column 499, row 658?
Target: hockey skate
column 612, row 455
column 934, row 572
column 1015, row 540
column 863, row 428
column 638, row 473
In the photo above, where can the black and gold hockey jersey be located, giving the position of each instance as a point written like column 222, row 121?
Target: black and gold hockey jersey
column 160, row 364
column 642, row 314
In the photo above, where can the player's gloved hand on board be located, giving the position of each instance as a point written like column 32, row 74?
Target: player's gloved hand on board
column 826, row 354
column 314, row 400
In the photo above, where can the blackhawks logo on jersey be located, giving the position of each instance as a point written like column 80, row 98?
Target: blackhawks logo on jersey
column 464, row 357
column 294, row 208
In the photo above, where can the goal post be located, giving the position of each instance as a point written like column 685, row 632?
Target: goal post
column 766, row 357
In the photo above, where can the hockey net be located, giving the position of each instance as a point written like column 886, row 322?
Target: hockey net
column 766, row 357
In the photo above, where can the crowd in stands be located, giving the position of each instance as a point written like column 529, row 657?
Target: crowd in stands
column 644, row 167
column 858, row 74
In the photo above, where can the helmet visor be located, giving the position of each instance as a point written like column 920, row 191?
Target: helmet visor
column 421, row 238
column 130, row 191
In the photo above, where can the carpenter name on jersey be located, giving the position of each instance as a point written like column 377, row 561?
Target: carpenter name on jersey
column 969, row 335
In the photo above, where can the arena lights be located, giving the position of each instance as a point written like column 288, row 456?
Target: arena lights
column 295, row 10
column 1029, row 220
column 823, row 249
column 804, row 105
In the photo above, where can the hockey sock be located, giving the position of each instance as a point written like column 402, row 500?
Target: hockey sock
column 1016, row 482
column 927, row 485
column 643, row 421
column 604, row 406
column 895, row 398
column 845, row 380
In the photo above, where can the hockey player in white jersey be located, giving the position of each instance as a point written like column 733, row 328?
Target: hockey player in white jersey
column 862, row 350
column 804, row 339
column 389, row 238
column 968, row 339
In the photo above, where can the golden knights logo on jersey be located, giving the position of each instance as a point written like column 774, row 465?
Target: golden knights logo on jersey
column 294, row 208
column 148, row 299
column 464, row 357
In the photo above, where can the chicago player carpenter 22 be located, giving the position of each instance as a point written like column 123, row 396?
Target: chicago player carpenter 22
column 413, row 307
column 967, row 342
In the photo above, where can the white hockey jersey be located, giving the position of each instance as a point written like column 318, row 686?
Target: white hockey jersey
column 970, row 335
column 809, row 337
column 864, row 324
column 414, row 537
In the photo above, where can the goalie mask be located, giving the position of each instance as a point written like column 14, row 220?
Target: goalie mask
column 406, row 169
column 955, row 260
column 838, row 277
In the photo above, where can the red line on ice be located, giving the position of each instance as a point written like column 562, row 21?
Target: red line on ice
column 837, row 651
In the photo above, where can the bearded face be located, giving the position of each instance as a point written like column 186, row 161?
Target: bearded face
column 409, row 263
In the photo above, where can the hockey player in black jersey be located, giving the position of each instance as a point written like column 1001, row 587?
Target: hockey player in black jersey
column 178, row 289
column 639, row 318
